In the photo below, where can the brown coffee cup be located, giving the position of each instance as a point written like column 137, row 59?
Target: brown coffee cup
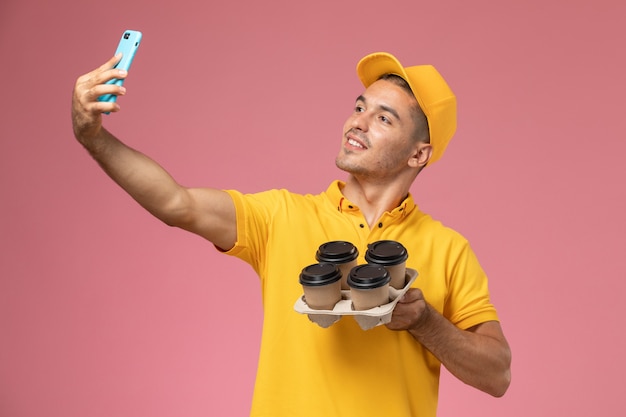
column 322, row 285
column 369, row 286
column 341, row 253
column 392, row 255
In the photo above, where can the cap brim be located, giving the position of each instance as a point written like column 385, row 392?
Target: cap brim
column 373, row 66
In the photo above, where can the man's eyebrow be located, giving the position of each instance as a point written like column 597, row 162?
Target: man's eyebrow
column 382, row 107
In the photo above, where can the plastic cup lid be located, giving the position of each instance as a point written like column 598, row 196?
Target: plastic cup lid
column 337, row 251
column 386, row 252
column 368, row 276
column 319, row 274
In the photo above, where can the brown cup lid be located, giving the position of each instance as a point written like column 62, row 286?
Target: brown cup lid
column 319, row 274
column 368, row 276
column 386, row 252
column 337, row 251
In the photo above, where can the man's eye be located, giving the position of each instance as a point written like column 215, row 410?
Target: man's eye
column 384, row 119
column 358, row 109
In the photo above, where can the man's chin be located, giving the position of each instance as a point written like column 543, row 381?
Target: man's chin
column 347, row 167
column 339, row 163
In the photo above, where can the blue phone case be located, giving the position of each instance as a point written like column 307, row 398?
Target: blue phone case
column 128, row 47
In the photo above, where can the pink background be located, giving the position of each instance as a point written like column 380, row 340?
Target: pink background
column 106, row 312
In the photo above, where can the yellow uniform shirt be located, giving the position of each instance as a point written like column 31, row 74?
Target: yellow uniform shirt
column 306, row 370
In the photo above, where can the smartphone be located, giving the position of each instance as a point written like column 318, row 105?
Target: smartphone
column 128, row 47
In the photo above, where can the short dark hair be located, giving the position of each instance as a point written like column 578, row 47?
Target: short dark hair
column 422, row 133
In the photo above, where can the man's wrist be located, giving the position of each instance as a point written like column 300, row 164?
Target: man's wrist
column 426, row 323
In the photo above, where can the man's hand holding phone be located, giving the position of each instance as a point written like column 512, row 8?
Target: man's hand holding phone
column 87, row 109
column 96, row 92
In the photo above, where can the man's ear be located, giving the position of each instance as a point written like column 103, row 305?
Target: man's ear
column 422, row 155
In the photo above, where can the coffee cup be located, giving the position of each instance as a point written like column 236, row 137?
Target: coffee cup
column 369, row 286
column 322, row 285
column 392, row 255
column 341, row 253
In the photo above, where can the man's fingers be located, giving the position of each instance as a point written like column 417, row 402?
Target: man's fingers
column 102, row 74
column 103, row 89
column 413, row 294
column 112, row 62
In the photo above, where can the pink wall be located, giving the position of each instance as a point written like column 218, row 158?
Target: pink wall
column 106, row 312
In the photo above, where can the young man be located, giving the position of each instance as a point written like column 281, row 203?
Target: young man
column 401, row 123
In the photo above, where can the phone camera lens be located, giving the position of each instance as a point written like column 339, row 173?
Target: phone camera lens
column 126, row 35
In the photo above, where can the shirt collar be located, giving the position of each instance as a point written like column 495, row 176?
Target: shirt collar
column 333, row 192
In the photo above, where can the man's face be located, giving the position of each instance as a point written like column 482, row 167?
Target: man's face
column 378, row 138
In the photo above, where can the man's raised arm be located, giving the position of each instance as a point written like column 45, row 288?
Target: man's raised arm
column 207, row 212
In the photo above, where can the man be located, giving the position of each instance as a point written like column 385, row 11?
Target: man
column 401, row 123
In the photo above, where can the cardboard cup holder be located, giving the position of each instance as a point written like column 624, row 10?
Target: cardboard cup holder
column 367, row 319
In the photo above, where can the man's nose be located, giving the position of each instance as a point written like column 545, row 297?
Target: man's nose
column 360, row 121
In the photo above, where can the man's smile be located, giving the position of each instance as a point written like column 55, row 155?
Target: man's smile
column 354, row 140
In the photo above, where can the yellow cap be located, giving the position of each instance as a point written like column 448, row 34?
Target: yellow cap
column 434, row 96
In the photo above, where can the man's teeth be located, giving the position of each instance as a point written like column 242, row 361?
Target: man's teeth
column 354, row 143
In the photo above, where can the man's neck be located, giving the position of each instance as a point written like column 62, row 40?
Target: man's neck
column 374, row 199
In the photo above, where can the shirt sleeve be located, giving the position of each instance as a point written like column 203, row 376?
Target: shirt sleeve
column 254, row 213
column 468, row 302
